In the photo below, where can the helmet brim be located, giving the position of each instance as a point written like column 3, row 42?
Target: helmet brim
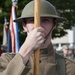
column 58, row 18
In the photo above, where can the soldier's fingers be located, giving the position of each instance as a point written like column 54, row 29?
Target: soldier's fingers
column 40, row 29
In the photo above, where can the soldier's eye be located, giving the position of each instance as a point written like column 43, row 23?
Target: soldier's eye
column 45, row 20
column 31, row 20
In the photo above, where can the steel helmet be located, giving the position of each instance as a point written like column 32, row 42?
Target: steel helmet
column 46, row 10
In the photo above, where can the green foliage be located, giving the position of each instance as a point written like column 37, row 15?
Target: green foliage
column 65, row 8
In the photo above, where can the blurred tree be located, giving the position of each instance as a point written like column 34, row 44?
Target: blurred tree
column 64, row 7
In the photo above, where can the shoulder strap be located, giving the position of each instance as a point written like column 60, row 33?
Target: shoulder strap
column 60, row 67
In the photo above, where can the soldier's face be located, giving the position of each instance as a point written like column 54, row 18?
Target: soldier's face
column 46, row 23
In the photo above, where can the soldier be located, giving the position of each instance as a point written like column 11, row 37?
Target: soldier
column 71, row 52
column 22, row 62
column 68, row 51
column 65, row 50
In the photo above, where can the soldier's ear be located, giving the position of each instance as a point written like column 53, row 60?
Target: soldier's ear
column 54, row 21
column 54, row 27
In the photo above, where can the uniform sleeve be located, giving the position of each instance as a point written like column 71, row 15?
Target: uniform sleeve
column 13, row 65
column 70, row 67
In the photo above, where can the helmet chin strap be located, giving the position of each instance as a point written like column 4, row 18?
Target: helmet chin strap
column 47, row 41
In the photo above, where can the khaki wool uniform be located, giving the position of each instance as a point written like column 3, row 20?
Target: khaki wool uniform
column 13, row 64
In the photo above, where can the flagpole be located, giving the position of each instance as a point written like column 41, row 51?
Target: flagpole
column 14, row 2
column 36, row 24
column 5, row 35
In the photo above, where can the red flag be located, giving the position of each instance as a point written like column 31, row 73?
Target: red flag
column 14, row 30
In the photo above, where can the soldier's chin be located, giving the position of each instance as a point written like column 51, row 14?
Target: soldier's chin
column 43, row 46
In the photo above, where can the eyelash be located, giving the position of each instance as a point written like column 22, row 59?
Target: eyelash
column 45, row 20
column 31, row 20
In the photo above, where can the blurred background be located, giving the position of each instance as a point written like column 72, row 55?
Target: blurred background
column 63, row 35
